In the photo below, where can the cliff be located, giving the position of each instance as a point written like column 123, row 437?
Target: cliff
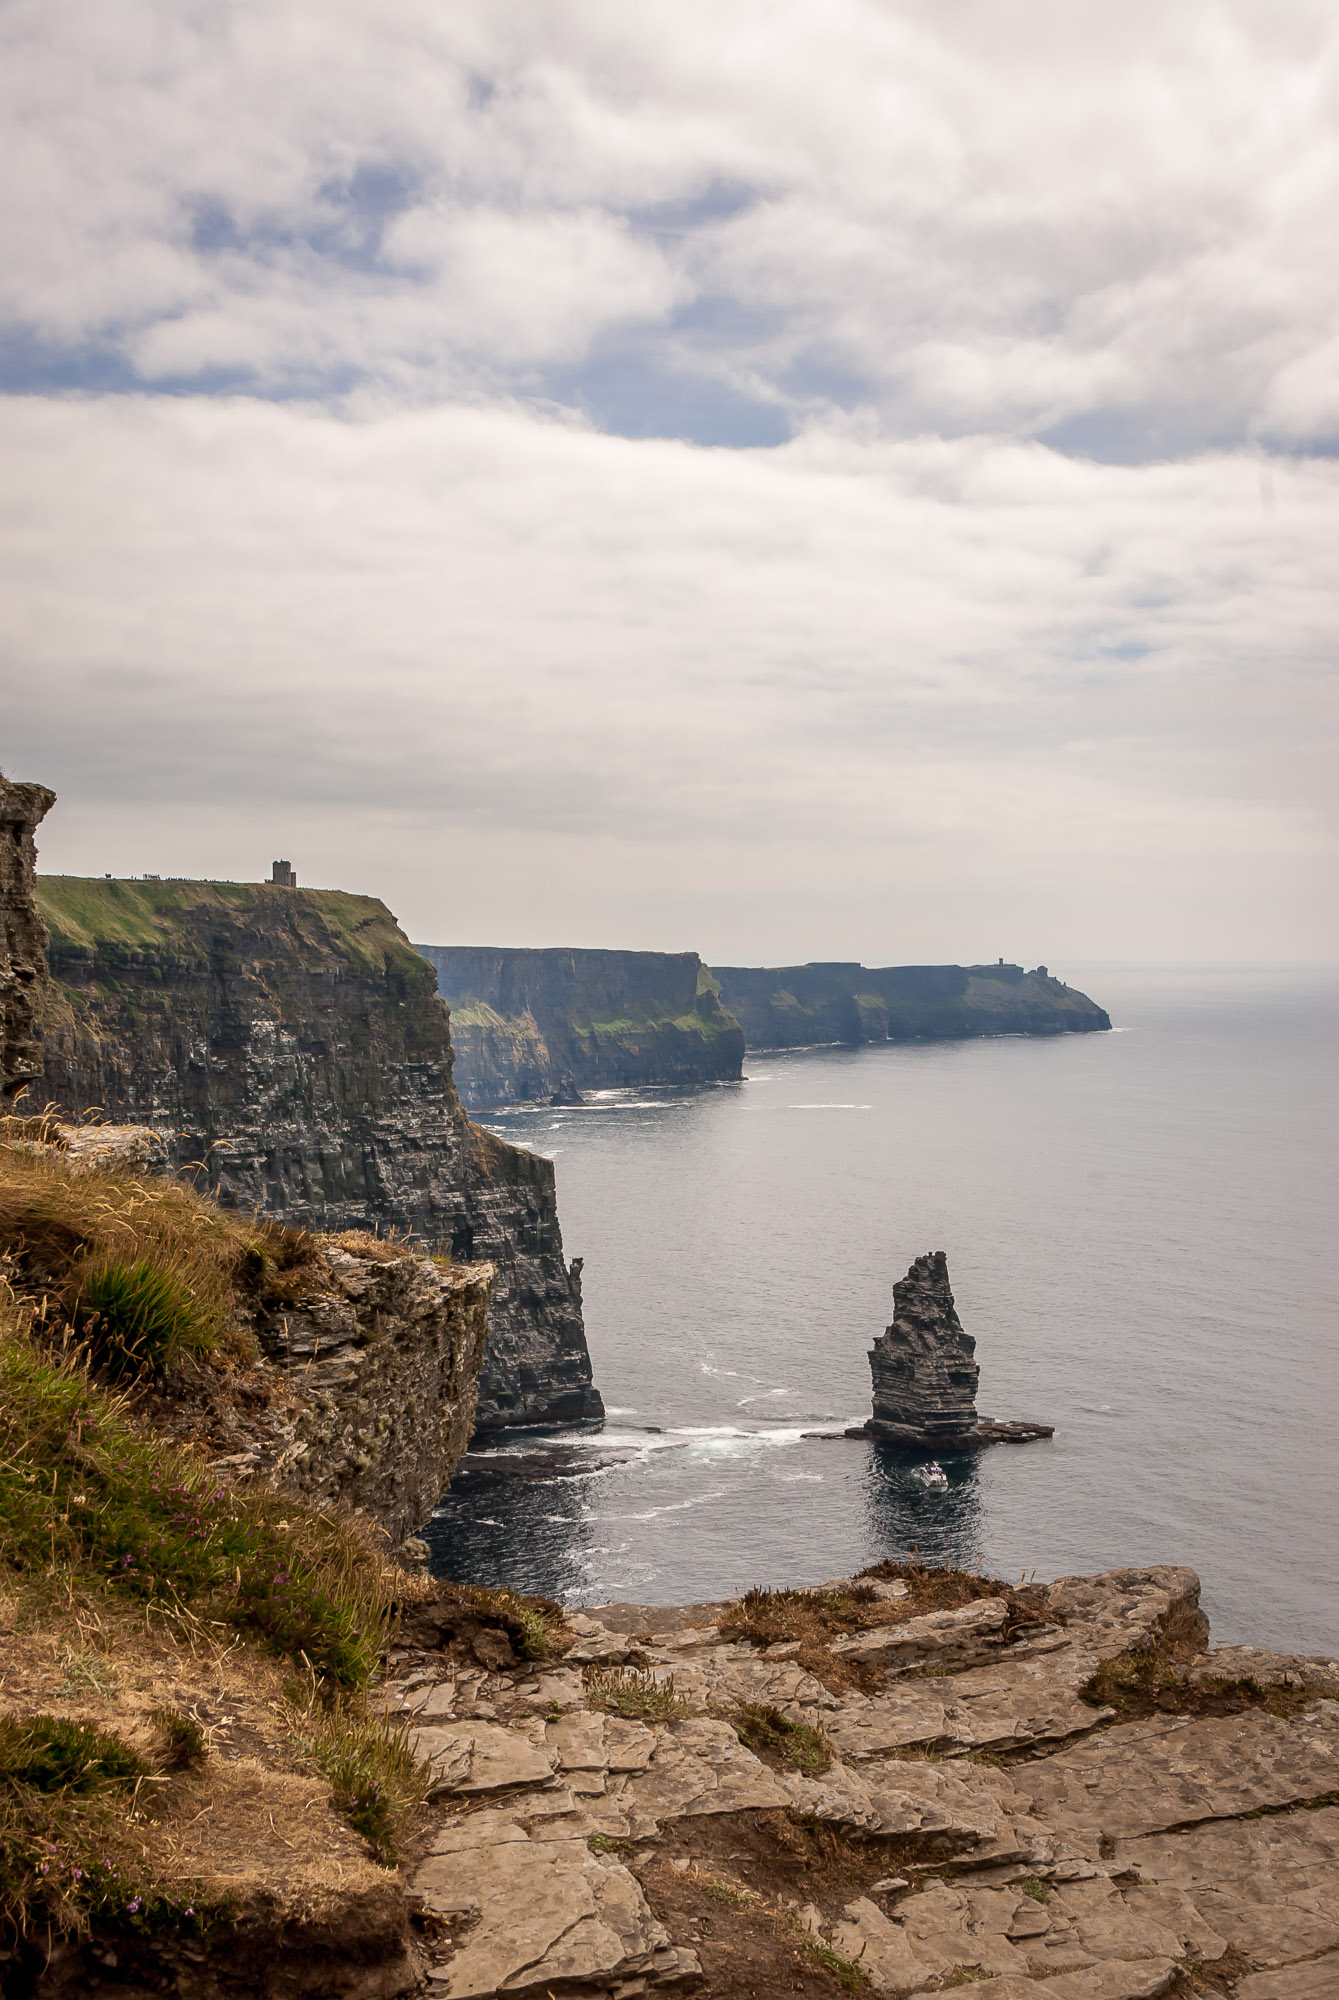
column 292, row 1043
column 541, row 1026
column 799, row 1006
column 22, row 942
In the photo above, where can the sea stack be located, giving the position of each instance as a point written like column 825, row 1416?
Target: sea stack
column 926, row 1374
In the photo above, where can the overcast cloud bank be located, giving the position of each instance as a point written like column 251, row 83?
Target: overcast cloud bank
column 793, row 481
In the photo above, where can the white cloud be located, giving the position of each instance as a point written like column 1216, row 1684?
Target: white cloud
column 427, row 620
column 425, row 641
column 969, row 217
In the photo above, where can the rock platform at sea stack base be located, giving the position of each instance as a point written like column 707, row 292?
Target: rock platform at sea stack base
column 1056, row 1790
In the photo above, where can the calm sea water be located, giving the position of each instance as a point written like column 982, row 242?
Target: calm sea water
column 1139, row 1229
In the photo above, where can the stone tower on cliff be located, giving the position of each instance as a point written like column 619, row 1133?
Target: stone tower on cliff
column 23, row 973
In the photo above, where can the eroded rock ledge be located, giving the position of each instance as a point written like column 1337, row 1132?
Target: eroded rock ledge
column 973, row 1810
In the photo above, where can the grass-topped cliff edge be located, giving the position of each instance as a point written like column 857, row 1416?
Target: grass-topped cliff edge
column 186, row 1729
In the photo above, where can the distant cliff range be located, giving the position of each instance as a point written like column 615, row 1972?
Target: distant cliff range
column 543, row 1026
column 800, row 1006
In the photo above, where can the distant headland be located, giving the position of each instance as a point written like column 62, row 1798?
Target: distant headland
column 543, row 1026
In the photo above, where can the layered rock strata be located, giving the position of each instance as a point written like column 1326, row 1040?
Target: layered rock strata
column 926, row 1374
column 364, row 1388
column 995, row 1823
column 22, row 938
column 289, row 1044
column 800, row 1006
column 366, row 1393
column 542, row 1026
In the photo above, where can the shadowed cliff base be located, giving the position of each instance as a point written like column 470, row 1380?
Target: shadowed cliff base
column 288, row 1043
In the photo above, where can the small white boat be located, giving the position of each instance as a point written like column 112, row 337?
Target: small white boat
column 932, row 1474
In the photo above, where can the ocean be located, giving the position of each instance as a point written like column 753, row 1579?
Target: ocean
column 1140, row 1231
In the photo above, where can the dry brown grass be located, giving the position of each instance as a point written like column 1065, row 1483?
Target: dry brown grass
column 813, row 1618
column 70, row 1229
column 58, row 1228
column 388, row 1249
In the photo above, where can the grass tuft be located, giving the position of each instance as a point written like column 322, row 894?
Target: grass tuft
column 376, row 1783
column 136, row 1317
column 767, row 1732
column 637, row 1696
column 184, row 1740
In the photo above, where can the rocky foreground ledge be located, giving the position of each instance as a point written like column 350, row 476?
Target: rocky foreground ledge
column 1053, row 1791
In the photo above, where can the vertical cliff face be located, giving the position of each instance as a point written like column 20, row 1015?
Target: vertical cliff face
column 291, row 1042
column 797, row 1006
column 371, row 1383
column 540, row 1026
column 22, row 938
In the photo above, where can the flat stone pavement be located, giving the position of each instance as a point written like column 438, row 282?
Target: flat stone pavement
column 1042, row 1845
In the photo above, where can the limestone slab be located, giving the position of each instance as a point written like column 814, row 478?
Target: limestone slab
column 1009, row 1706
column 907, row 1798
column 587, row 1740
column 555, row 1912
column 967, row 1631
column 1292, row 1670
column 1316, row 1980
column 1146, row 1777
column 880, row 1948
column 1268, row 1887
column 1120, row 1609
column 1111, row 1981
column 698, row 1766
column 472, row 1757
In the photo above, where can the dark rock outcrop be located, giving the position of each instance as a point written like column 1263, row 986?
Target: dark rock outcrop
column 926, row 1374
column 22, row 938
column 365, row 1393
column 542, row 1026
column 800, row 1006
column 291, row 1042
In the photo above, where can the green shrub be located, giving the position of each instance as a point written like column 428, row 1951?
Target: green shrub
column 51, row 1754
column 136, row 1317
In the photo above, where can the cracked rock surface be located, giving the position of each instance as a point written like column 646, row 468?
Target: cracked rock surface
column 998, row 1823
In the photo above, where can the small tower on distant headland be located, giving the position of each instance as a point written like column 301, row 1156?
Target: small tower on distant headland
column 282, row 873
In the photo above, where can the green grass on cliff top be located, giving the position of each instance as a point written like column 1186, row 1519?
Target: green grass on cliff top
column 90, row 911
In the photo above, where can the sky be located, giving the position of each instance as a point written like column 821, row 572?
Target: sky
column 787, row 480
